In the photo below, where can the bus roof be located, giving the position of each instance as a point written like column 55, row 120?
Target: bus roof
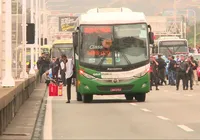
column 46, row 46
column 63, row 41
column 174, row 39
column 111, row 18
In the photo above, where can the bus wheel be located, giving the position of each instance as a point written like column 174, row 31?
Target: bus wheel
column 87, row 98
column 140, row 97
column 129, row 97
column 78, row 96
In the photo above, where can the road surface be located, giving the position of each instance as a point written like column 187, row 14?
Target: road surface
column 166, row 114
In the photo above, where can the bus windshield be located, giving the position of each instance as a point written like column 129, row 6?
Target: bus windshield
column 116, row 46
column 45, row 50
column 60, row 49
column 173, row 47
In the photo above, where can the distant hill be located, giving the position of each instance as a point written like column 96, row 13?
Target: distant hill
column 149, row 7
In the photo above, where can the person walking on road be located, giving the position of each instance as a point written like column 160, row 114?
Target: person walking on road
column 68, row 67
column 181, row 67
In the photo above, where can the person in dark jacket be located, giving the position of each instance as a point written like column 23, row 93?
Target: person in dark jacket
column 189, row 73
column 153, row 73
column 55, row 69
column 172, row 71
column 43, row 64
column 63, row 68
column 161, row 69
column 181, row 67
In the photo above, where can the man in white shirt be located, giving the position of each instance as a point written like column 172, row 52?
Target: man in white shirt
column 68, row 68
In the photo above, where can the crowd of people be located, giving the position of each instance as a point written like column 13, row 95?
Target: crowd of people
column 179, row 68
column 61, row 70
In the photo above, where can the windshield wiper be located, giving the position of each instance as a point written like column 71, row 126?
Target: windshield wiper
column 100, row 63
column 60, row 51
column 81, row 40
column 125, row 57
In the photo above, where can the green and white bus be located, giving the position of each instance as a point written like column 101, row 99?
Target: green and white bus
column 112, row 54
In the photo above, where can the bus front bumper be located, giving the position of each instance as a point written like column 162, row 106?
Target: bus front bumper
column 134, row 86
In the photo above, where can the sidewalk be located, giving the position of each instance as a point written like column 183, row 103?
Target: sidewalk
column 23, row 124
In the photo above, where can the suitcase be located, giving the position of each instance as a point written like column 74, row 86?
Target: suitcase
column 53, row 89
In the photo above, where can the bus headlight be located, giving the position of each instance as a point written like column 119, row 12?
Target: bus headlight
column 86, row 75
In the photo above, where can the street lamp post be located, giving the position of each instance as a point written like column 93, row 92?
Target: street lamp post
column 24, row 74
column 36, row 32
column 45, row 20
column 39, row 26
column 32, row 71
column 8, row 80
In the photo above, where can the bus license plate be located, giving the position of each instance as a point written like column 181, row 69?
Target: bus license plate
column 116, row 89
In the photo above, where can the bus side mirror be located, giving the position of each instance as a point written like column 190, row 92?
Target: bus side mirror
column 151, row 38
column 50, row 53
column 151, row 35
column 153, row 49
column 75, row 39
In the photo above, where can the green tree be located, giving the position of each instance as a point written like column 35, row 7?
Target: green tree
column 190, row 34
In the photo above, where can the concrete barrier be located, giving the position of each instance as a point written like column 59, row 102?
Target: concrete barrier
column 11, row 99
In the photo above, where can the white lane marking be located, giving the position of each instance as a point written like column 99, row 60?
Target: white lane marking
column 38, row 89
column 188, row 95
column 163, row 118
column 48, row 120
column 185, row 128
column 145, row 110
column 134, row 104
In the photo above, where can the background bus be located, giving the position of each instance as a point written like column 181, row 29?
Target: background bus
column 112, row 54
column 60, row 47
column 171, row 46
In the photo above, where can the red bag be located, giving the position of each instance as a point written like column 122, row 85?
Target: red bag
column 53, row 89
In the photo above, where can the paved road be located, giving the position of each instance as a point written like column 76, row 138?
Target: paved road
column 167, row 113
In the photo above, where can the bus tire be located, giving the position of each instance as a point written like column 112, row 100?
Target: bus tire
column 78, row 96
column 140, row 97
column 87, row 98
column 129, row 97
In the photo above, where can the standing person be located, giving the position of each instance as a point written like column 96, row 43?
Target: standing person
column 55, row 69
column 43, row 64
column 189, row 73
column 177, row 58
column 68, row 75
column 161, row 69
column 153, row 73
column 172, row 71
column 181, row 67
column 194, row 68
column 63, row 68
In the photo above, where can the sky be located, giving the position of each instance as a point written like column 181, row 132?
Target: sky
column 149, row 7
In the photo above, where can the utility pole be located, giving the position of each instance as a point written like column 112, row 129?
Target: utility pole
column 8, row 80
